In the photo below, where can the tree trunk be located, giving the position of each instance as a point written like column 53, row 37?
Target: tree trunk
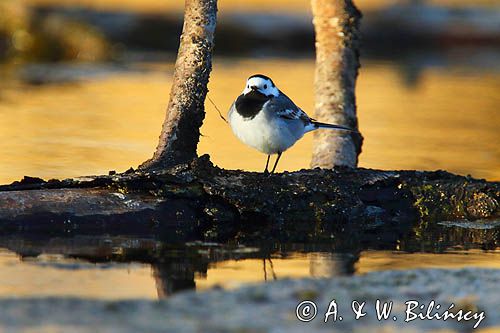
column 181, row 128
column 336, row 24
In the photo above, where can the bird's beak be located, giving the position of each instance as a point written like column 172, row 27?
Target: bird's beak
column 254, row 88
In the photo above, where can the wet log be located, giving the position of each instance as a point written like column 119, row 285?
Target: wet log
column 197, row 200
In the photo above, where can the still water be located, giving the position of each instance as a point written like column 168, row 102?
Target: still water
column 120, row 268
column 109, row 118
column 71, row 120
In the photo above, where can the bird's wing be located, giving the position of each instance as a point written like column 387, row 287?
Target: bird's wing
column 231, row 109
column 285, row 108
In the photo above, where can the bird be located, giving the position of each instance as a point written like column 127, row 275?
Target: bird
column 266, row 119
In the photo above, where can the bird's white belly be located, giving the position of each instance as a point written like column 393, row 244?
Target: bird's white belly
column 268, row 137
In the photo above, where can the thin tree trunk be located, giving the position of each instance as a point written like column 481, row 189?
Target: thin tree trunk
column 181, row 128
column 336, row 24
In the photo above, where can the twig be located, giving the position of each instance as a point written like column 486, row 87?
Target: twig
column 265, row 271
column 272, row 267
column 220, row 113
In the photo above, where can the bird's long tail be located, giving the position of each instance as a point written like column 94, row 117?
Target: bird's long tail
column 317, row 124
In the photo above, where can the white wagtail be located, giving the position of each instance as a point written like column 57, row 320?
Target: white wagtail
column 264, row 118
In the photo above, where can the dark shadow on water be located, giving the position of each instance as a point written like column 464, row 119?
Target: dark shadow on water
column 412, row 62
column 393, row 35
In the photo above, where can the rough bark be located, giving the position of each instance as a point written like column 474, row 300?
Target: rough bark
column 185, row 113
column 336, row 24
column 200, row 201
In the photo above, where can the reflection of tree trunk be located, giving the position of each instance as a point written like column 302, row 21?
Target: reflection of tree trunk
column 336, row 24
column 172, row 277
column 181, row 128
column 333, row 264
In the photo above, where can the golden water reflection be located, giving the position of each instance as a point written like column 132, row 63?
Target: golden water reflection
column 55, row 275
column 448, row 120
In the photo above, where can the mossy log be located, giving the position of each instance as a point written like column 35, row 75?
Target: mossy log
column 200, row 201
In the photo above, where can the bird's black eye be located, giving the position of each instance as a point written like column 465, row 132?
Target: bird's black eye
column 265, row 86
column 248, row 86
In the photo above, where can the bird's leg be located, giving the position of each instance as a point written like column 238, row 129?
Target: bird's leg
column 276, row 163
column 267, row 164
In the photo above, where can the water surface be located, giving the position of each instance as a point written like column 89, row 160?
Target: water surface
column 121, row 268
column 60, row 121
column 446, row 118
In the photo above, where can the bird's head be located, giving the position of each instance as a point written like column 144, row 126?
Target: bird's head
column 259, row 83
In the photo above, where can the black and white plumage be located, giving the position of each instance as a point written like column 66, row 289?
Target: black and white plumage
column 265, row 118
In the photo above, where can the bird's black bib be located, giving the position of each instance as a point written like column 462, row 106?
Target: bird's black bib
column 249, row 105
